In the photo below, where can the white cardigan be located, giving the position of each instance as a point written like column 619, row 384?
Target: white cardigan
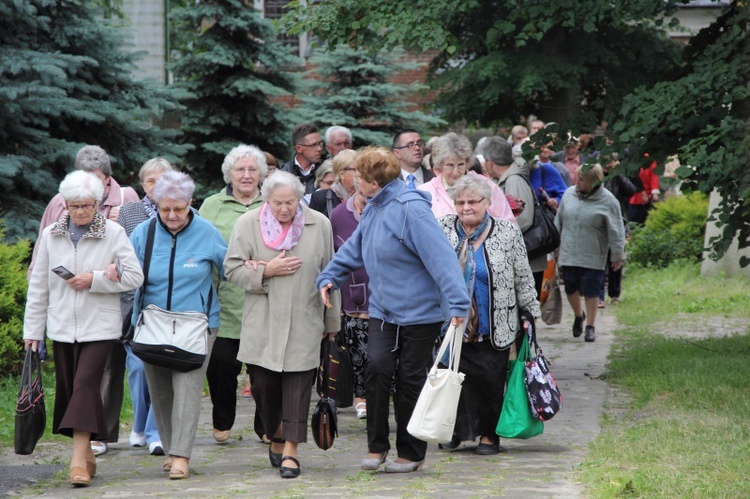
column 511, row 280
column 87, row 315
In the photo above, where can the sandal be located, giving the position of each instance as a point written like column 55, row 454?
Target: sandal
column 91, row 468
column 167, row 466
column 287, row 472
column 361, row 410
column 79, row 477
column 179, row 469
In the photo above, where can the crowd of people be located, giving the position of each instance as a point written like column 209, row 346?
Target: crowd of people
column 377, row 248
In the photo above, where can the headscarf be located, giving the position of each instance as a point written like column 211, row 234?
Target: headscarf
column 465, row 254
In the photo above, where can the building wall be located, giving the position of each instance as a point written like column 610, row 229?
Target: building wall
column 147, row 30
column 729, row 264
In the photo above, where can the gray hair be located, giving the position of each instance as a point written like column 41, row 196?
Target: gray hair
column 154, row 165
column 174, row 185
column 452, row 145
column 92, row 158
column 470, row 183
column 499, row 151
column 241, row 151
column 325, row 168
column 282, row 179
column 337, row 129
column 79, row 185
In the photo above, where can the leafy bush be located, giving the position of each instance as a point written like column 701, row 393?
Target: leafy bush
column 673, row 231
column 12, row 299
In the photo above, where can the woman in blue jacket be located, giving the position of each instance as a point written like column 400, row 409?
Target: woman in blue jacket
column 187, row 249
column 415, row 285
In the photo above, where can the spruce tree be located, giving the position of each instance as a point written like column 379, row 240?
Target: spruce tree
column 229, row 59
column 354, row 88
column 65, row 81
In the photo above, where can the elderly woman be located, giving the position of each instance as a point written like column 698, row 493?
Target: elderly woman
column 283, row 320
column 131, row 215
column 415, row 285
column 244, row 170
column 187, row 250
column 590, row 224
column 74, row 293
column 355, row 319
column 325, row 200
column 496, row 272
column 323, row 180
column 451, row 156
column 95, row 160
column 272, row 162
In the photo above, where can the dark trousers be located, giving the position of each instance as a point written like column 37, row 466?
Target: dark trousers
column 112, row 390
column 79, row 368
column 538, row 278
column 482, row 391
column 283, row 397
column 223, row 369
column 406, row 352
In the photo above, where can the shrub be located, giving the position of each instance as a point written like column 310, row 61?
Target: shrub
column 12, row 300
column 674, row 230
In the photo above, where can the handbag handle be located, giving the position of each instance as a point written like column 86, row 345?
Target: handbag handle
column 454, row 336
column 30, row 364
column 531, row 332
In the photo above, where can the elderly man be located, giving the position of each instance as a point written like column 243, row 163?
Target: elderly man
column 94, row 159
column 337, row 139
column 308, row 150
column 408, row 147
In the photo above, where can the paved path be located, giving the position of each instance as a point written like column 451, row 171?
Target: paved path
column 544, row 466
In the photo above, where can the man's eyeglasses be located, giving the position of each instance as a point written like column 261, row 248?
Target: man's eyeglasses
column 412, row 145
column 315, row 145
column 79, row 207
column 177, row 211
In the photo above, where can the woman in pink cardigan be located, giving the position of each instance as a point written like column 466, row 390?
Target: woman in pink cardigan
column 452, row 156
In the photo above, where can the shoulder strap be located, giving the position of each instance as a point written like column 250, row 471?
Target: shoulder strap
column 147, row 255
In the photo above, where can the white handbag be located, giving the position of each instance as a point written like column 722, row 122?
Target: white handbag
column 434, row 416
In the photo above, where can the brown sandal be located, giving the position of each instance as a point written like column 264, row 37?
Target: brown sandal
column 167, row 466
column 79, row 477
column 179, row 470
column 91, row 468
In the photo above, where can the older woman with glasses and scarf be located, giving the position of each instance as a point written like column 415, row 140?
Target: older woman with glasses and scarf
column 496, row 273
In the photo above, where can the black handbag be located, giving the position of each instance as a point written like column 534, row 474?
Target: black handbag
column 324, row 423
column 542, row 237
column 335, row 378
column 31, row 417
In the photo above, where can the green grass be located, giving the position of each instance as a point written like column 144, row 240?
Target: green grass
column 9, row 393
column 683, row 431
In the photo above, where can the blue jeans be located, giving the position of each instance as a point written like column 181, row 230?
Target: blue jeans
column 144, row 420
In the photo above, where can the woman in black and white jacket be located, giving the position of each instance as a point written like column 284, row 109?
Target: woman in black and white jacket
column 492, row 255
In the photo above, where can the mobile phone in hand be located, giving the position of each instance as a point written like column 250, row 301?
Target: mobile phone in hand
column 63, row 272
column 119, row 269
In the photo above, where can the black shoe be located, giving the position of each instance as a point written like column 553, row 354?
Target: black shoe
column 578, row 325
column 488, row 449
column 455, row 442
column 274, row 457
column 590, row 334
column 285, row 472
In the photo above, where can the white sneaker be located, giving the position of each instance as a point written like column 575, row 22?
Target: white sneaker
column 99, row 448
column 137, row 439
column 155, row 449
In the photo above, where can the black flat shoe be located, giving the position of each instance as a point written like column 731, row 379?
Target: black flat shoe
column 286, row 472
column 454, row 443
column 275, row 457
column 488, row 449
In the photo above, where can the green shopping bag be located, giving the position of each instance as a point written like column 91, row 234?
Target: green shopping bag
column 516, row 420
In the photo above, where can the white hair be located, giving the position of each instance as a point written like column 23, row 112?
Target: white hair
column 241, row 151
column 160, row 165
column 174, row 185
column 337, row 129
column 469, row 183
column 80, row 185
column 282, row 179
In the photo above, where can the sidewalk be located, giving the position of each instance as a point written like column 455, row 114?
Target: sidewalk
column 540, row 467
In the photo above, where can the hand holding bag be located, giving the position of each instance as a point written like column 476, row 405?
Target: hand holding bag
column 434, row 415
column 516, row 419
column 31, row 417
column 544, row 395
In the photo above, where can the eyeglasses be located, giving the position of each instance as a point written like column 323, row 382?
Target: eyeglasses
column 412, row 145
column 347, row 144
column 315, row 145
column 469, row 202
column 241, row 171
column 175, row 210
column 80, row 207
column 450, row 168
column 349, row 169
